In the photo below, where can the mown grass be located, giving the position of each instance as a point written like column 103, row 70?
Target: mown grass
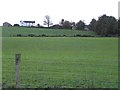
column 61, row 62
column 14, row 31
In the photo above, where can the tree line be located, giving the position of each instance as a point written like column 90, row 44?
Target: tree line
column 104, row 26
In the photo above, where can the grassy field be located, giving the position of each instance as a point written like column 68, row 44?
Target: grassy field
column 61, row 61
column 13, row 31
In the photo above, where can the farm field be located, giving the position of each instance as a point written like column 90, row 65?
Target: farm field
column 14, row 31
column 61, row 62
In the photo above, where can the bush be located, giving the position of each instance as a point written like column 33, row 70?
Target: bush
column 16, row 25
column 77, row 35
column 44, row 35
column 31, row 35
column 19, row 35
column 64, row 35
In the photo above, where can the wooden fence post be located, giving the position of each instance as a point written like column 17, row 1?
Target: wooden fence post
column 17, row 60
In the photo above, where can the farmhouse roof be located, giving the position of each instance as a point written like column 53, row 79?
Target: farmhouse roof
column 29, row 21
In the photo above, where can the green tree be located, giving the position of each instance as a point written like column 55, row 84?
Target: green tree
column 67, row 25
column 106, row 25
column 80, row 25
column 92, row 25
column 119, row 26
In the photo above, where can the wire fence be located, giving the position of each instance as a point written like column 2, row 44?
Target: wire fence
column 46, row 74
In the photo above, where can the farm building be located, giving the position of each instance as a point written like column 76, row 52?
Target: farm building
column 6, row 24
column 27, row 23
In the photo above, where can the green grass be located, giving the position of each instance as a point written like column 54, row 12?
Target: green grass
column 13, row 31
column 61, row 62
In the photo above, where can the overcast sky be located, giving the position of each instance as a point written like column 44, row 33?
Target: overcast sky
column 13, row 11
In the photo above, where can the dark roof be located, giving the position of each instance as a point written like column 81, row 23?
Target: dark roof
column 57, row 26
column 29, row 21
column 6, row 24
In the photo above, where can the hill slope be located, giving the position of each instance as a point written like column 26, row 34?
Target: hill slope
column 14, row 31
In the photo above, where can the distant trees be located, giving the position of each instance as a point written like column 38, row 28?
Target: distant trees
column 72, row 25
column 66, row 25
column 106, row 25
column 47, row 21
column 92, row 25
column 119, row 26
column 80, row 25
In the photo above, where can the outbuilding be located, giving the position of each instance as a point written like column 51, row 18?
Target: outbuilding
column 6, row 24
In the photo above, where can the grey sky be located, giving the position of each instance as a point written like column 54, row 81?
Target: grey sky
column 73, row 10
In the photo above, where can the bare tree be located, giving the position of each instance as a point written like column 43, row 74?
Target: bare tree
column 47, row 21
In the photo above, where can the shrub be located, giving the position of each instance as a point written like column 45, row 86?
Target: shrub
column 16, row 25
column 44, row 35
column 64, row 35
column 77, row 35
column 31, row 35
column 19, row 35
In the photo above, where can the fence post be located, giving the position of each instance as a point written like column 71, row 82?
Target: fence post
column 17, row 60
